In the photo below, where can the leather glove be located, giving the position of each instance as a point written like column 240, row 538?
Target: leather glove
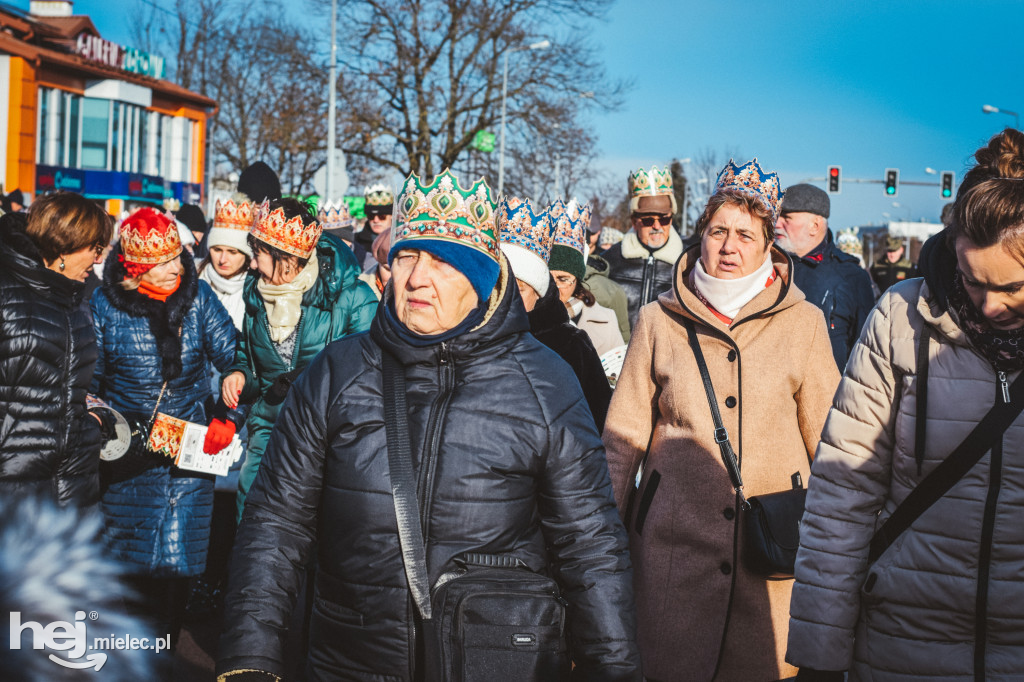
column 108, row 425
column 278, row 390
column 218, row 436
column 812, row 675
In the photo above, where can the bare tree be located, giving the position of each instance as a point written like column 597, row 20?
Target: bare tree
column 429, row 77
column 707, row 164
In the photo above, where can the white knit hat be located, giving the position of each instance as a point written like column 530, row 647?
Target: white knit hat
column 528, row 266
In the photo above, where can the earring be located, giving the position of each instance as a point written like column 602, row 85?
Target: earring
column 62, row 263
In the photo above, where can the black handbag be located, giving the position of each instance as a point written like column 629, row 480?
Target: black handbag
column 771, row 522
column 138, row 458
column 490, row 618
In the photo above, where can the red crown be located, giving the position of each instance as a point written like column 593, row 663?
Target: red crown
column 290, row 235
column 149, row 237
column 232, row 216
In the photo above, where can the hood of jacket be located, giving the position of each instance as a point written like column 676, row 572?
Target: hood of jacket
column 549, row 312
column 596, row 265
column 937, row 264
column 339, row 270
column 504, row 321
column 20, row 257
column 669, row 253
column 779, row 296
column 165, row 318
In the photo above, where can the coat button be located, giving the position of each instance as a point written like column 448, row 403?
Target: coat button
column 730, row 402
column 731, row 356
column 729, row 513
column 725, row 568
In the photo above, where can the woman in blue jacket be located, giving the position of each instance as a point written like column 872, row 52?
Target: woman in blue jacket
column 156, row 328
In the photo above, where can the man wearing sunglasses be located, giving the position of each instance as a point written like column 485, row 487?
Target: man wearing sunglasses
column 642, row 262
column 379, row 206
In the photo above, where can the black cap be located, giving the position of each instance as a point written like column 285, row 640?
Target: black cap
column 191, row 216
column 16, row 197
column 805, row 199
column 259, row 182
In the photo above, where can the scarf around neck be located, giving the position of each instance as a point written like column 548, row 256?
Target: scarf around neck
column 1003, row 348
column 728, row 296
column 156, row 293
column 284, row 301
column 224, row 286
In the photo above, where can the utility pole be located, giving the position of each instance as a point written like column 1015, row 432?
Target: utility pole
column 332, row 105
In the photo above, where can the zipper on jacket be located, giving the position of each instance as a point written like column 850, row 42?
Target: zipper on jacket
column 648, row 281
column 985, row 550
column 1005, row 386
column 432, row 436
column 62, row 436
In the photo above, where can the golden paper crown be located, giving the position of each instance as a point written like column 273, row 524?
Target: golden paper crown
column 290, row 235
column 149, row 237
column 231, row 216
column 519, row 224
column 571, row 226
column 379, row 195
column 751, row 179
column 652, row 183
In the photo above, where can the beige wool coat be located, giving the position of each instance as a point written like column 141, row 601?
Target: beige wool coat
column 701, row 615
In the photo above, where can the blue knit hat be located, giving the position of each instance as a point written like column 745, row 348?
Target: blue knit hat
column 451, row 223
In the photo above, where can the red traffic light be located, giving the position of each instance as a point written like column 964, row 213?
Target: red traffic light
column 834, row 182
column 833, row 171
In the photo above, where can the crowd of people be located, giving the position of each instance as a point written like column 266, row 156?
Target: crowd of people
column 746, row 458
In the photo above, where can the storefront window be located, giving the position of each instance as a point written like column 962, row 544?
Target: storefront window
column 74, row 127
column 95, row 128
column 41, row 125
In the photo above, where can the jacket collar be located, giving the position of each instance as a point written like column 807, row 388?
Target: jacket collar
column 669, row 253
column 937, row 264
column 780, row 295
column 549, row 312
column 20, row 256
column 503, row 322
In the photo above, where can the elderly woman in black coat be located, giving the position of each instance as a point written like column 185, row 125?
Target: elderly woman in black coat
column 505, row 451
column 48, row 349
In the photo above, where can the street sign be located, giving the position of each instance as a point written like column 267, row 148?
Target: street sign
column 483, row 141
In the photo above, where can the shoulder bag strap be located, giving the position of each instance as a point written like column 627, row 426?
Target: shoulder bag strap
column 936, row 484
column 403, row 484
column 721, row 435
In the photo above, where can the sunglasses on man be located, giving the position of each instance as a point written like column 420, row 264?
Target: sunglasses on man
column 649, row 220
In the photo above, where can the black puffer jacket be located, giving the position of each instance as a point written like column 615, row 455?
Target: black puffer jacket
column 549, row 322
column 47, row 355
column 508, row 461
column 642, row 273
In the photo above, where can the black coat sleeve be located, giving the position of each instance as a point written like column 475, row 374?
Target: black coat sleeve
column 589, row 550
column 275, row 540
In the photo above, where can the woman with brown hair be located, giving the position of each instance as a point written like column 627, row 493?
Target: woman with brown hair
column 940, row 596
column 703, row 614
column 47, row 348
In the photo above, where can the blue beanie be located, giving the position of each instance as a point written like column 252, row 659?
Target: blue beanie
column 480, row 269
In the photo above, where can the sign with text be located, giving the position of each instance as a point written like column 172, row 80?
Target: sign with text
column 57, row 178
column 96, row 49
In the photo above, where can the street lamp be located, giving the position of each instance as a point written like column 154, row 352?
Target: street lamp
column 543, row 44
column 930, row 171
column 989, row 109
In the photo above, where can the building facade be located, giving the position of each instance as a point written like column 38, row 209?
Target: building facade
column 87, row 115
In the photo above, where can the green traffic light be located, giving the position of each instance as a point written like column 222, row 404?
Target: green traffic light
column 946, row 193
column 890, row 190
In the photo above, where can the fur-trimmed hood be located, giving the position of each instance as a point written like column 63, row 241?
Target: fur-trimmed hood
column 165, row 318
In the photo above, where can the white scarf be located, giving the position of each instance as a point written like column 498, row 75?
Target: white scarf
column 228, row 291
column 284, row 301
column 728, row 296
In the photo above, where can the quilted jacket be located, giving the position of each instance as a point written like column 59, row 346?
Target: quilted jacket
column 508, row 462
column 159, row 521
column 47, row 354
column 944, row 601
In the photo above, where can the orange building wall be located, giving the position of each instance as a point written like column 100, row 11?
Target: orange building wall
column 21, row 127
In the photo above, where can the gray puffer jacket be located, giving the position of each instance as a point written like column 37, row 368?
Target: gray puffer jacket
column 944, row 601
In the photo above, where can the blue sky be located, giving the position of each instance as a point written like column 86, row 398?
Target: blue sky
column 801, row 85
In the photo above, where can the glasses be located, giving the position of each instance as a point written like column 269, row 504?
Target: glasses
column 649, row 220
column 564, row 281
column 99, row 249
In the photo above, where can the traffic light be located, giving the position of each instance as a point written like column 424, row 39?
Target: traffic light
column 947, row 184
column 892, row 181
column 834, row 176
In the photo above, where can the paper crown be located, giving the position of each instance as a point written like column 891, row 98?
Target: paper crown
column 444, row 210
column 519, row 224
column 290, row 235
column 334, row 216
column 652, row 183
column 231, row 216
column 848, row 241
column 571, row 226
column 149, row 237
column 379, row 195
column 750, row 179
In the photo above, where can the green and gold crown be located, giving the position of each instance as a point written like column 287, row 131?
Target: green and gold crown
column 444, row 210
column 652, row 183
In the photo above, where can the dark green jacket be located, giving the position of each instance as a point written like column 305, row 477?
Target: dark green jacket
column 337, row 305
